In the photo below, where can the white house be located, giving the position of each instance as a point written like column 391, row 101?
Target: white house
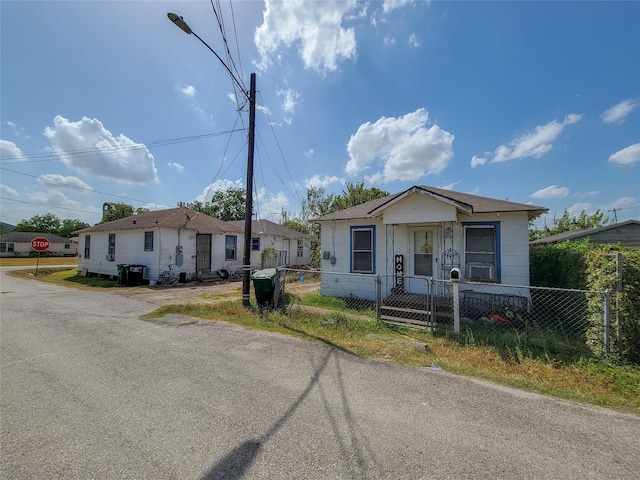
column 293, row 247
column 179, row 242
column 423, row 233
column 18, row 244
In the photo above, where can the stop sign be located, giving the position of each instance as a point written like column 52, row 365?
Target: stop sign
column 40, row 244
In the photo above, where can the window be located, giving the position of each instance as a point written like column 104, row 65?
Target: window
column 230, row 247
column 7, row 247
column 362, row 249
column 300, row 252
column 255, row 244
column 87, row 246
column 148, row 241
column 67, row 246
column 423, row 253
column 112, row 244
column 482, row 251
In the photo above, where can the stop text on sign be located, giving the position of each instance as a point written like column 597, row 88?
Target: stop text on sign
column 40, row 244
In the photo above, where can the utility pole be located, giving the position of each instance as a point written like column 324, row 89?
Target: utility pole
column 248, row 212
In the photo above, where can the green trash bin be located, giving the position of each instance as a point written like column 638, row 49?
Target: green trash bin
column 123, row 269
column 264, row 284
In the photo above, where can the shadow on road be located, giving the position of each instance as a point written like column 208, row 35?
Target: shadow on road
column 237, row 462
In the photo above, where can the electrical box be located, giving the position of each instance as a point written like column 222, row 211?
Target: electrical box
column 178, row 259
column 178, row 248
column 326, row 255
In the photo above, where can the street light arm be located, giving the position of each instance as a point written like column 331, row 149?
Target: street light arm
column 179, row 21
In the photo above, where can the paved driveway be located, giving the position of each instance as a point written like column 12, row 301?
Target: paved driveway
column 88, row 390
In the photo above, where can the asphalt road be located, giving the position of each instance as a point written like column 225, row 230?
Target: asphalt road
column 89, row 390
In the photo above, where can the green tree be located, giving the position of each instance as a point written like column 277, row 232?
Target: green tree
column 567, row 223
column 69, row 226
column 226, row 204
column 117, row 210
column 356, row 194
column 47, row 223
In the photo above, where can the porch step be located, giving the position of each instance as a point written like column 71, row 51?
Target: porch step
column 406, row 310
column 404, row 322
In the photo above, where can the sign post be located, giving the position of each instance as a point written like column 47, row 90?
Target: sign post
column 39, row 244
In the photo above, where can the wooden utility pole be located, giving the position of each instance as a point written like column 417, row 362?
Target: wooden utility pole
column 248, row 212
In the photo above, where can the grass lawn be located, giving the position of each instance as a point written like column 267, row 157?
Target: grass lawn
column 583, row 377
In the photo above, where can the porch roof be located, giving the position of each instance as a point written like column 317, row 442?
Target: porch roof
column 465, row 202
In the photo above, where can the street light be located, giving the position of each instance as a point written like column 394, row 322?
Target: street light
column 251, row 97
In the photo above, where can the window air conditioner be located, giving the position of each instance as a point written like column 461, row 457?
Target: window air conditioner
column 480, row 272
column 111, row 257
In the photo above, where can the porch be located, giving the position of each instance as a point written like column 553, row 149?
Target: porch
column 417, row 310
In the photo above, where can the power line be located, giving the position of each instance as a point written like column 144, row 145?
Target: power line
column 50, row 206
column 77, row 187
column 80, row 153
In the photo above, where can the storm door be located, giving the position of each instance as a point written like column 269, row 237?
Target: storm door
column 203, row 252
column 421, row 259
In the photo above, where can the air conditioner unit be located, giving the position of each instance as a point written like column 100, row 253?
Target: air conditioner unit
column 111, row 257
column 480, row 272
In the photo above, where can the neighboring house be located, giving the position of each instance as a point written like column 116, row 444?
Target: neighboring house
column 626, row 233
column 423, row 233
column 293, row 247
column 178, row 240
column 18, row 244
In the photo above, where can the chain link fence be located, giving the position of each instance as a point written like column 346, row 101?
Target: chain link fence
column 549, row 317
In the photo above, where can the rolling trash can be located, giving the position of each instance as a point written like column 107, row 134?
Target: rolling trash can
column 264, row 284
column 122, row 274
column 134, row 274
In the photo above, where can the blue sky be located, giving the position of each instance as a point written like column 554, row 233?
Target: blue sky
column 537, row 102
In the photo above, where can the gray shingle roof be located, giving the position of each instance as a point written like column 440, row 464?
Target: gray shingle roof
column 466, row 201
column 172, row 218
column 18, row 237
column 575, row 234
column 267, row 227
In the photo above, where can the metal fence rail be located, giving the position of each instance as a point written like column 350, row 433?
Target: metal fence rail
column 565, row 317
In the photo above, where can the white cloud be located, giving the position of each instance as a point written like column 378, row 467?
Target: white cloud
column 475, row 161
column 220, row 184
column 8, row 191
column 9, row 151
column 178, row 166
column 269, row 206
column 577, row 208
column 290, row 99
column 189, row 91
column 618, row 113
column 309, row 153
column 552, row 191
column 449, row 186
column 393, row 4
column 406, row 146
column 626, row 156
column 621, row 203
column 55, row 198
column 316, row 27
column 535, row 143
column 591, row 193
column 322, row 182
column 56, row 180
column 87, row 147
column 413, row 40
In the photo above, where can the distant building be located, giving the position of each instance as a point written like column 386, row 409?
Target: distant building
column 18, row 244
column 626, row 233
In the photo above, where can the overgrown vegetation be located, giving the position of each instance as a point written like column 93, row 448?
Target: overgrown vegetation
column 587, row 266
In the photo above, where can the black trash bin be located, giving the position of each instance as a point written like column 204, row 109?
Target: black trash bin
column 134, row 274
column 264, row 283
column 123, row 270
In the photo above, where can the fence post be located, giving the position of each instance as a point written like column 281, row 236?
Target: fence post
column 456, row 305
column 607, row 323
column 378, row 296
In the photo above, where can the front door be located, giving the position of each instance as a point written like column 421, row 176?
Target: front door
column 421, row 259
column 203, row 253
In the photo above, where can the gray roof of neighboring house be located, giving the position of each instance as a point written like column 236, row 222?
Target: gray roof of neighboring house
column 18, row 237
column 465, row 201
column 172, row 218
column 576, row 234
column 267, row 227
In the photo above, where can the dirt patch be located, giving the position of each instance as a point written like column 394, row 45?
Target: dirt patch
column 188, row 292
